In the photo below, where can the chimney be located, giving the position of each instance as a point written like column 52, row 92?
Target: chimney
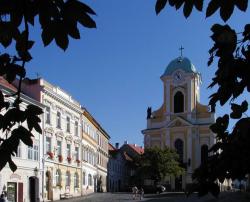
column 125, row 142
column 135, row 145
column 117, row 145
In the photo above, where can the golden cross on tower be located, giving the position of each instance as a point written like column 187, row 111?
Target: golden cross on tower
column 181, row 49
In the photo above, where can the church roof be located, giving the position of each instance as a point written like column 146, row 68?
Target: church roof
column 182, row 63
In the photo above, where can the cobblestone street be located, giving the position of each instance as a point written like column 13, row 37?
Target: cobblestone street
column 168, row 197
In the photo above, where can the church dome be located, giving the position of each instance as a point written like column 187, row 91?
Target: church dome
column 182, row 63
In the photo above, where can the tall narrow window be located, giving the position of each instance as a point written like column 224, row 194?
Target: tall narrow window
column 68, row 150
column 48, row 144
column 77, row 153
column 204, row 154
column 76, row 180
column 178, row 102
column 89, row 180
column 59, row 147
column 47, row 114
column 58, row 177
column 30, row 153
column 68, row 124
column 179, row 148
column 58, row 119
column 67, row 178
column 19, row 151
column 36, row 152
column 76, row 128
column 83, row 178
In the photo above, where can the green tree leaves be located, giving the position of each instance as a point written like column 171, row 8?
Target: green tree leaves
column 226, row 6
column 187, row 9
column 157, row 163
column 59, row 20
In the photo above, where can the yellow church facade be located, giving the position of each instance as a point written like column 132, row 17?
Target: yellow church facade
column 182, row 122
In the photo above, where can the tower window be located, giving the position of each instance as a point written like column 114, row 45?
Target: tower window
column 178, row 102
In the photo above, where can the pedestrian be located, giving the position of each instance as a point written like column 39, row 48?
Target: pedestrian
column 134, row 192
column 2, row 198
column 141, row 193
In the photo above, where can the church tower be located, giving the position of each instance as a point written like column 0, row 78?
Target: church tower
column 182, row 122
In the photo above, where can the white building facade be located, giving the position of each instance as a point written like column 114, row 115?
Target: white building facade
column 28, row 159
column 61, row 140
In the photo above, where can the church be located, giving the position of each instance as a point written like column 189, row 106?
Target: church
column 182, row 122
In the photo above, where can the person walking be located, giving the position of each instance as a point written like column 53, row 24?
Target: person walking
column 134, row 192
column 2, row 198
column 141, row 193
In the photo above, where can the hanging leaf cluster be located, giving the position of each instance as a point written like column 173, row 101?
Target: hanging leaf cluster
column 226, row 7
column 59, row 20
column 11, row 126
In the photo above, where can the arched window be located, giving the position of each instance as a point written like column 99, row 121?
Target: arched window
column 89, row 180
column 204, row 154
column 58, row 177
column 83, row 178
column 179, row 148
column 76, row 180
column 178, row 102
column 67, row 178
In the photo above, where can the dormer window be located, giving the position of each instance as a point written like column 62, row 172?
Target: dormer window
column 178, row 102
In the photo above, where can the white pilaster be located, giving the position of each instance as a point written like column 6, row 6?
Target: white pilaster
column 189, row 150
column 168, row 138
column 168, row 99
column 197, row 148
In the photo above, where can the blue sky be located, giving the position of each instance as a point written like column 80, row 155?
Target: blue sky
column 114, row 70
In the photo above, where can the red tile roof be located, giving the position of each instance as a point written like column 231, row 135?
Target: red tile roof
column 111, row 147
column 137, row 149
column 127, row 157
column 6, row 84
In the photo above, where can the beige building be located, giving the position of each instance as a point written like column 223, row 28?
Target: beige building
column 94, row 154
column 182, row 122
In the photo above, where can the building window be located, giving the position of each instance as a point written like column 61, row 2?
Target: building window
column 76, row 128
column 59, row 147
column 77, row 153
column 68, row 150
column 18, row 154
column 58, row 177
column 36, row 152
column 76, row 180
column 33, row 152
column 67, row 179
column 68, row 124
column 30, row 153
column 83, row 178
column 58, row 119
column 178, row 102
column 204, row 154
column 179, row 148
column 89, row 180
column 47, row 114
column 48, row 144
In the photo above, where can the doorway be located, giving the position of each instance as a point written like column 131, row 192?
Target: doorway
column 12, row 191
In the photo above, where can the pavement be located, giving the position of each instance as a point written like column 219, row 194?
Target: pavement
column 169, row 197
